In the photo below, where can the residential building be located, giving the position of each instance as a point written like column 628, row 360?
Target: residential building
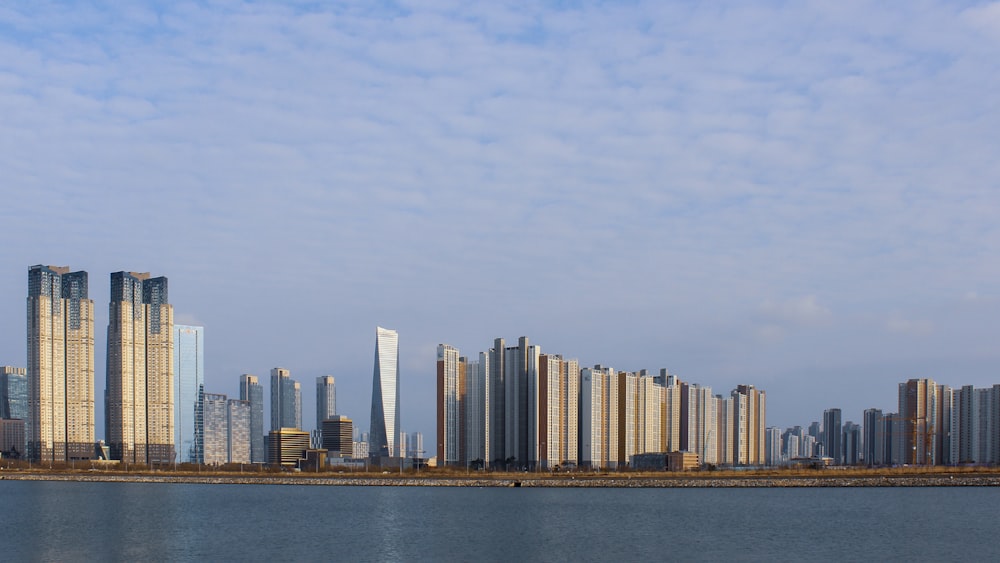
column 59, row 419
column 920, row 411
column 833, row 437
column 450, row 379
column 238, row 446
column 140, row 370
column 874, row 438
column 215, row 429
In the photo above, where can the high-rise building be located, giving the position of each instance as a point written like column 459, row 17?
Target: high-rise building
column 874, row 438
column 286, row 400
column 920, row 412
column 496, row 440
column 326, row 399
column 253, row 392
column 450, row 370
column 140, row 370
column 238, row 421
column 833, row 444
column 287, row 447
column 13, row 393
column 750, row 419
column 12, row 445
column 592, row 391
column 215, row 434
column 476, row 409
column 852, row 444
column 772, row 446
column 384, row 427
column 338, row 433
column 59, row 422
column 189, row 368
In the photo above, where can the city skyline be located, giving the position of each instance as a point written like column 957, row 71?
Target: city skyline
column 798, row 195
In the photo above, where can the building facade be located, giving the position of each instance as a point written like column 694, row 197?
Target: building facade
column 189, row 369
column 338, row 434
column 286, row 400
column 252, row 392
column 60, row 371
column 13, row 393
column 384, row 428
column 140, row 370
column 326, row 399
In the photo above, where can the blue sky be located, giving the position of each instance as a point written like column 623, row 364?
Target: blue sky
column 798, row 195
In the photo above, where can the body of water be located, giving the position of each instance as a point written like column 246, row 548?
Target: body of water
column 67, row 521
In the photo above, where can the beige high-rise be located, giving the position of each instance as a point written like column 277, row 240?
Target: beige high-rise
column 60, row 346
column 140, row 402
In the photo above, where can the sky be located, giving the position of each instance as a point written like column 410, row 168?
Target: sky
column 802, row 196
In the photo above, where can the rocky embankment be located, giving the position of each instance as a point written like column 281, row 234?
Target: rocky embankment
column 957, row 480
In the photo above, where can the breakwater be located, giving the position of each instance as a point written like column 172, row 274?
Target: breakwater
column 957, row 480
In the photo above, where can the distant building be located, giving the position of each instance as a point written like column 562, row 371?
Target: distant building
column 337, row 436
column 450, row 386
column 384, row 427
column 12, row 444
column 326, row 399
column 215, row 437
column 833, row 445
column 286, row 400
column 287, row 446
column 920, row 411
column 238, row 444
column 253, row 392
column 874, row 438
column 852, row 444
column 189, row 369
column 60, row 414
column 140, row 370
column 13, row 393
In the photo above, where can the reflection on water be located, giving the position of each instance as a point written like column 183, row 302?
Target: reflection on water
column 56, row 521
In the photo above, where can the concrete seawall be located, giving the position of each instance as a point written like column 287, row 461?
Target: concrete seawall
column 596, row 482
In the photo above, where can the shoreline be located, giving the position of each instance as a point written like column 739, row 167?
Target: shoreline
column 750, row 481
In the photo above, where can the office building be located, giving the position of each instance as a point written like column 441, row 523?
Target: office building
column 286, row 400
column 326, row 399
column 287, row 447
column 60, row 372
column 852, row 444
column 189, row 369
column 338, row 433
column 252, row 392
column 384, row 428
column 13, row 393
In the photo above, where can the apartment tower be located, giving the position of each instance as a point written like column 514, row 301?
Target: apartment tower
column 140, row 372
column 384, row 429
column 60, row 371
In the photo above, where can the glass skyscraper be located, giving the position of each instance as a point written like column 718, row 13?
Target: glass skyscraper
column 326, row 399
column 286, row 400
column 384, row 429
column 189, row 376
column 252, row 392
column 13, row 392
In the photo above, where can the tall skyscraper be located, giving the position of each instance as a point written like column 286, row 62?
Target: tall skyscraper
column 449, row 424
column 253, row 392
column 13, row 393
column 140, row 370
column 919, row 411
column 833, row 436
column 238, row 420
column 286, row 400
column 750, row 420
column 60, row 371
column 874, row 438
column 384, row 427
column 215, row 435
column 189, row 366
column 326, row 399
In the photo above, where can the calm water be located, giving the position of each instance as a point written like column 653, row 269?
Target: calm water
column 145, row 522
